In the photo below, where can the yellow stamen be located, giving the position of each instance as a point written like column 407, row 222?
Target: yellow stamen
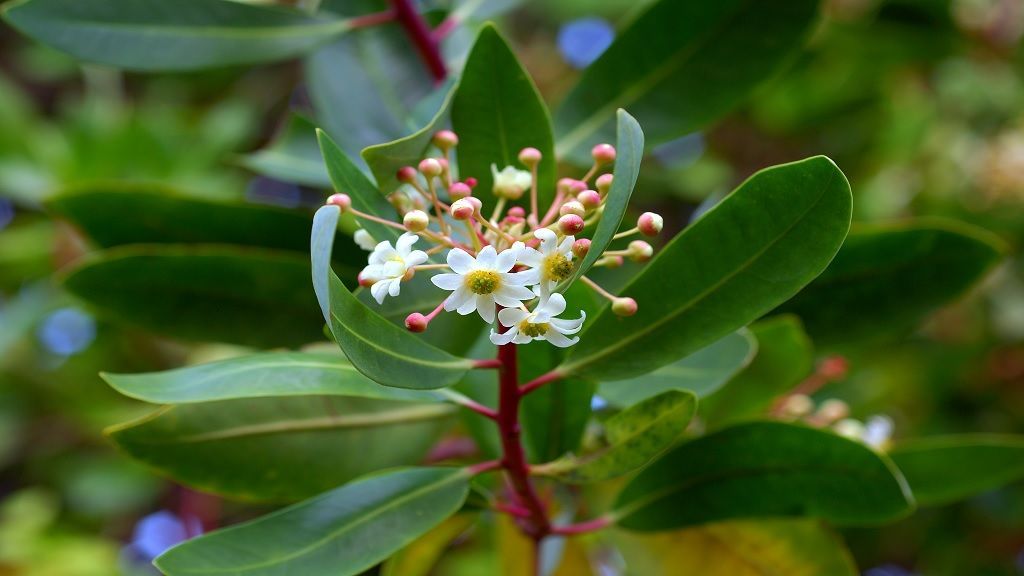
column 533, row 330
column 557, row 267
column 483, row 281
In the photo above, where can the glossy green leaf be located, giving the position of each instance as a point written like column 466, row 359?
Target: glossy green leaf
column 765, row 469
column 260, row 375
column 159, row 35
column 281, row 449
column 946, row 469
column 634, row 437
column 384, row 352
column 205, row 293
column 785, row 356
column 739, row 548
column 629, row 147
column 497, row 112
column 702, row 372
column 342, row 532
column 886, row 279
column 751, row 252
column 294, row 156
column 555, row 416
column 680, row 66
column 348, row 179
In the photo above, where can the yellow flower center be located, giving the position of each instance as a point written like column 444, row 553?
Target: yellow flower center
column 557, row 267
column 483, row 281
column 533, row 330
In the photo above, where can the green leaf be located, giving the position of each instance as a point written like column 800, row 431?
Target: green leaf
column 161, row 35
column 751, row 252
column 784, row 358
column 629, row 148
column 680, row 66
column 887, row 278
column 946, row 469
column 420, row 557
column 293, row 156
column 701, row 372
column 384, row 352
column 739, row 548
column 634, row 437
column 765, row 469
column 260, row 375
column 205, row 293
column 497, row 112
column 282, row 449
column 555, row 416
column 348, row 179
column 341, row 533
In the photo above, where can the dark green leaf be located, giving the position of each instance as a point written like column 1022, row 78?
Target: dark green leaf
column 282, row 449
column 634, row 437
column 347, row 179
column 341, row 533
column 555, row 416
column 754, row 250
column 946, row 469
column 294, row 156
column 153, row 35
column 682, row 65
column 379, row 349
column 765, row 469
column 205, row 293
column 886, row 279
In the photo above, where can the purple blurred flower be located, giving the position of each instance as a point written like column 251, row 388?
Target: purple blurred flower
column 157, row 532
column 582, row 41
column 67, row 331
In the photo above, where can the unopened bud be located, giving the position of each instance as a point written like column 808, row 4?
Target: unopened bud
column 517, row 212
column 570, row 224
column 581, row 247
column 640, row 251
column 572, row 207
column 463, row 209
column 577, row 186
column 590, row 199
column 797, row 405
column 415, row 220
column 624, row 306
column 444, row 165
column 340, row 200
column 401, row 202
column 459, row 190
column 850, row 428
column 406, row 174
column 565, row 184
column 650, row 224
column 832, row 410
column 610, row 262
column 445, row 139
column 416, row 322
column 834, row 368
column 477, row 204
column 430, row 167
column 530, row 157
column 364, row 280
column 604, row 183
column 603, row 153
column 471, row 182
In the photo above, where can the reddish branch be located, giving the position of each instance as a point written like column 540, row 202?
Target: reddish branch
column 422, row 37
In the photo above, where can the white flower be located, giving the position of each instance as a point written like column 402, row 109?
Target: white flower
column 552, row 263
column 480, row 283
column 389, row 265
column 364, row 240
column 510, row 183
column 541, row 324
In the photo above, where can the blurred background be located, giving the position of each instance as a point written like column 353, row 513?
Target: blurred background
column 921, row 102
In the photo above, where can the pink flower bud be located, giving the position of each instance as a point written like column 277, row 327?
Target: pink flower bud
column 365, row 281
column 590, row 199
column 613, row 261
column 640, row 251
column 530, row 157
column 650, row 224
column 430, row 167
column 445, row 139
column 572, row 207
column 565, row 184
column 603, row 153
column 604, row 183
column 406, row 174
column 577, row 186
column 463, row 209
column 581, row 247
column 834, row 368
column 570, row 224
column 471, row 182
column 416, row 322
column 517, row 212
column 624, row 307
column 459, row 190
column 415, row 221
column 340, row 200
column 401, row 202
column 477, row 204
column 444, row 165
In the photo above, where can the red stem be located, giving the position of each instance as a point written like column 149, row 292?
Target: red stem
column 539, row 381
column 489, row 363
column 582, row 527
column 375, row 19
column 421, row 36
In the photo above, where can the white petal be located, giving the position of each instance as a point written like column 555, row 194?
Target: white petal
column 531, row 257
column 502, row 339
column 524, row 278
column 568, row 326
column 415, row 258
column 460, row 261
column 447, row 281
column 458, row 299
column 566, row 246
column 468, row 305
column 522, row 339
column 363, row 239
column 394, row 269
column 395, row 288
column 486, row 258
column 379, row 290
column 547, row 240
column 502, row 298
column 517, row 292
column 405, row 242
column 506, row 260
column 554, row 305
column 485, row 306
column 558, row 340
column 382, row 252
column 512, row 316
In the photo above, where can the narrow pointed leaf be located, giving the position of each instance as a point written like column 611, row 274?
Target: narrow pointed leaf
column 765, row 469
column 348, row 179
column 294, row 156
column 384, row 352
column 751, row 252
column 342, row 532
column 161, row 35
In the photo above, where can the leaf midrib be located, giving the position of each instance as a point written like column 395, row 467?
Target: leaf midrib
column 297, row 29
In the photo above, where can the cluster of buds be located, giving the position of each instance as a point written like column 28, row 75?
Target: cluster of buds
column 511, row 266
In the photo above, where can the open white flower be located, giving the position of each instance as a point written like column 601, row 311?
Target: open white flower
column 363, row 239
column 541, row 324
column 480, row 283
column 389, row 265
column 551, row 264
column 510, row 182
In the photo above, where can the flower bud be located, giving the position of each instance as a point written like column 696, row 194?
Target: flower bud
column 471, row 182
column 577, row 186
column 624, row 306
column 570, row 224
column 590, row 199
column 406, row 174
column 445, row 139
column 572, row 207
column 430, row 167
column 477, row 204
column 832, row 410
column 463, row 209
column 850, row 428
column 416, row 322
column 400, row 202
column 604, row 183
column 510, row 183
column 340, row 200
column 415, row 220
column 459, row 190
column 797, row 406
column 565, row 184
column 650, row 224
column 517, row 212
column 581, row 247
column 640, row 251
column 603, row 153
column 834, row 368
column 364, row 280
column 530, row 157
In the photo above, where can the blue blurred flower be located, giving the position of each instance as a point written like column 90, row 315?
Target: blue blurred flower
column 6, row 212
column 67, row 331
column 888, row 570
column 155, row 533
column 597, row 403
column 582, row 41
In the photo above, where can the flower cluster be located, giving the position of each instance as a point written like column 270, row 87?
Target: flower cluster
column 512, row 266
